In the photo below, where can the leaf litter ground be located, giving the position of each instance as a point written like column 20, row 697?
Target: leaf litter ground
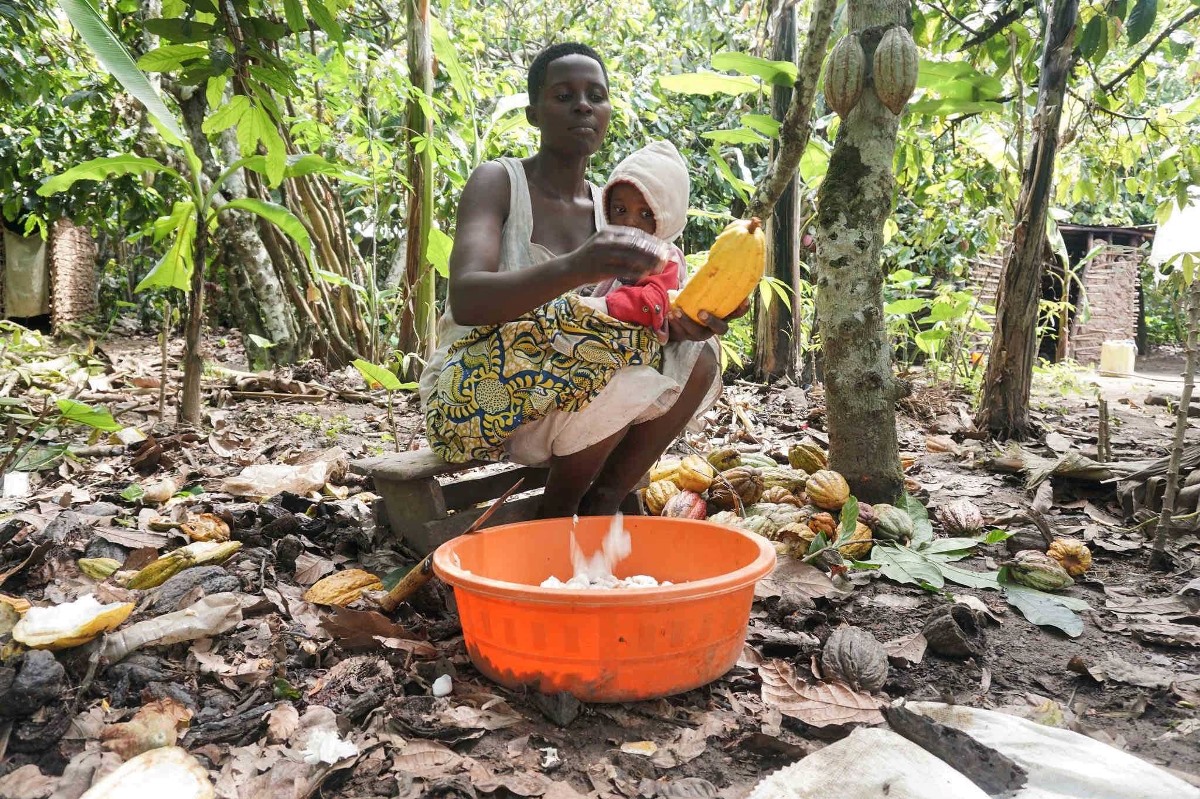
column 292, row 699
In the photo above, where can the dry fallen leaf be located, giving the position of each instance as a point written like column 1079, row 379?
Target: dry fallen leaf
column 644, row 748
column 426, row 759
column 794, row 578
column 27, row 782
column 689, row 746
column 365, row 629
column 155, row 725
column 819, row 704
column 908, row 650
column 282, row 722
column 942, row 444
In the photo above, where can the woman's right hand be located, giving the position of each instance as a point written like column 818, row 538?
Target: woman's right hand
column 620, row 252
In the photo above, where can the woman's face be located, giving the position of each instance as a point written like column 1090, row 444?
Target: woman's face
column 573, row 110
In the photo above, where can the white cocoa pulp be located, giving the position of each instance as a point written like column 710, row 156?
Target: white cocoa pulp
column 596, row 572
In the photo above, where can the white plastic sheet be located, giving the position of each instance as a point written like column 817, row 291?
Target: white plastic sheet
column 1060, row 764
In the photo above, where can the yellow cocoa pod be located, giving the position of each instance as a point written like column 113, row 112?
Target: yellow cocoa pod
column 657, row 494
column 695, row 474
column 17, row 603
column 859, row 544
column 98, row 568
column 200, row 553
column 664, row 470
column 342, row 588
column 1072, row 555
column 206, row 527
column 70, row 623
column 154, row 574
column 827, row 489
column 734, row 268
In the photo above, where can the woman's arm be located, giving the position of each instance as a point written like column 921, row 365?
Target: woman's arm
column 482, row 295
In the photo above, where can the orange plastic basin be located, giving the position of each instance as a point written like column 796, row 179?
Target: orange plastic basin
column 614, row 645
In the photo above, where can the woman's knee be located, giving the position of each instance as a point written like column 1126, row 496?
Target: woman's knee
column 708, row 367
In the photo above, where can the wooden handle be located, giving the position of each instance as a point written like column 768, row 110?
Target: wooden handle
column 420, row 574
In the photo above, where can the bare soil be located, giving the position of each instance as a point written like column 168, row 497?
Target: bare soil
column 716, row 741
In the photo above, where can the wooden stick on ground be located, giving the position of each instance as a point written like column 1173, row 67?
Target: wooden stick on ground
column 421, row 573
column 1103, row 449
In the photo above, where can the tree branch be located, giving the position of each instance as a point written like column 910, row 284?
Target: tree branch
column 797, row 123
column 1174, row 26
column 998, row 24
column 1108, row 111
column 951, row 17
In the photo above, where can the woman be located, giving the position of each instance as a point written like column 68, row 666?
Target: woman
column 532, row 230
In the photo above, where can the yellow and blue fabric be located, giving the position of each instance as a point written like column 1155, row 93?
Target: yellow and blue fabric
column 499, row 377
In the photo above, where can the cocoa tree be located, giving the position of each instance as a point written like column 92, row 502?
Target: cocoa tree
column 854, row 201
column 1004, row 409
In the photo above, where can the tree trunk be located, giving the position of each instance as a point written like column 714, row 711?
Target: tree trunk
column 853, row 203
column 1004, row 410
column 775, row 349
column 193, row 357
column 259, row 298
column 418, row 318
column 1159, row 558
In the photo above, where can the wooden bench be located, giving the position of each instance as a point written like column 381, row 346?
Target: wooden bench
column 425, row 511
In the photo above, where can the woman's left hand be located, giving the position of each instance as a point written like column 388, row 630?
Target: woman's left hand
column 682, row 328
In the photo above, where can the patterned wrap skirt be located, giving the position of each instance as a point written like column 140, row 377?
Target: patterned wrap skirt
column 499, row 377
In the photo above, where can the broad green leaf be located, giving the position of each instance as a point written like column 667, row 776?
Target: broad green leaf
column 815, row 162
column 437, row 251
column 279, row 216
column 740, row 186
column 922, row 527
column 175, row 269
column 1095, row 28
column 133, row 492
column 966, row 577
column 214, row 92
column 1118, row 9
column 735, row 136
column 1141, row 20
column 293, row 11
column 113, row 56
column 79, row 413
column 766, row 125
column 848, row 522
column 947, row 106
column 945, row 545
column 170, row 56
column 102, row 169
column 708, row 83
column 903, row 307
column 165, row 225
column 906, row 566
column 180, row 31
column 311, row 164
column 227, row 115
column 996, row 536
column 1042, row 608
column 376, row 375
column 323, row 16
column 259, row 341
column 447, row 57
column 780, row 73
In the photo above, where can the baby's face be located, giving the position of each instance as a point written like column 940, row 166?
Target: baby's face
column 627, row 207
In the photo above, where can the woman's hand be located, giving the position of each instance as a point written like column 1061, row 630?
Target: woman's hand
column 620, row 252
column 681, row 327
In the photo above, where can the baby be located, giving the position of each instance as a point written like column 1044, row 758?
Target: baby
column 648, row 191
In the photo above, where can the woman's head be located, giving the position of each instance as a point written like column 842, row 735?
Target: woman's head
column 568, row 98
